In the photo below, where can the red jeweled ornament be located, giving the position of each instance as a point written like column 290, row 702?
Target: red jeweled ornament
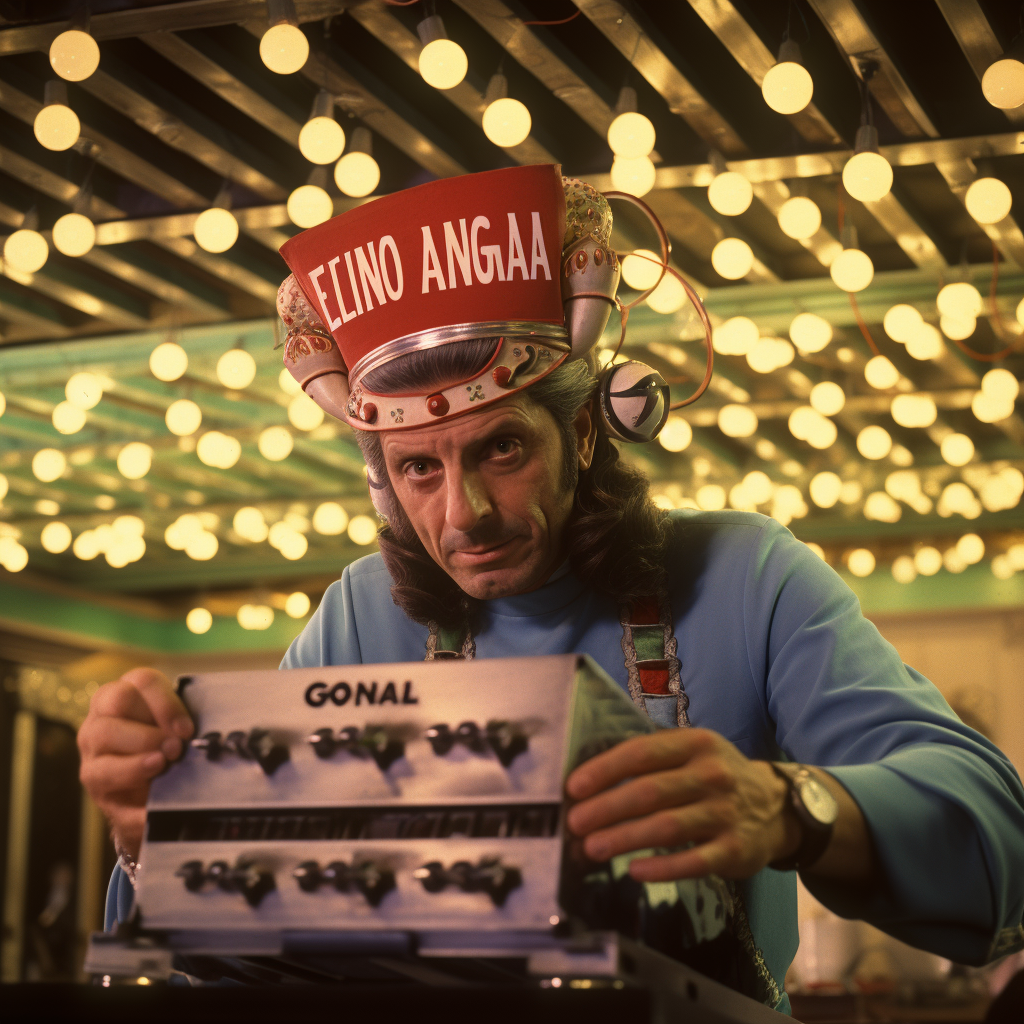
column 368, row 412
column 502, row 375
column 437, row 405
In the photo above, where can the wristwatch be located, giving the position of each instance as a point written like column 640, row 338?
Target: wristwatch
column 816, row 810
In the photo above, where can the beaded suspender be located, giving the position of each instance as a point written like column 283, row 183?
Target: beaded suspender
column 649, row 647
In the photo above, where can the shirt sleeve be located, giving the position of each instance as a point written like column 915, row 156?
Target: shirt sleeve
column 944, row 806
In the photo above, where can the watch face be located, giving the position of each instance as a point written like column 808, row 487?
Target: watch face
column 818, row 801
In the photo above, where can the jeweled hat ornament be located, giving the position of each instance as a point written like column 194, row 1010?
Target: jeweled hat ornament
column 521, row 255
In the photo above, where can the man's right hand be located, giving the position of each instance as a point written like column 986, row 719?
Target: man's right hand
column 134, row 729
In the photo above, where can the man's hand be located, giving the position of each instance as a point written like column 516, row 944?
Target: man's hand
column 134, row 729
column 681, row 786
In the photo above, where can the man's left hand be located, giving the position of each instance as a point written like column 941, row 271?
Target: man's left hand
column 676, row 787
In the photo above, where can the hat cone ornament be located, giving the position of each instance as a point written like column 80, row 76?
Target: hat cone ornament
column 520, row 257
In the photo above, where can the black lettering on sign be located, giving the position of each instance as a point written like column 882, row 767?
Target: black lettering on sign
column 407, row 697
column 388, row 696
column 369, row 692
column 316, row 694
column 340, row 693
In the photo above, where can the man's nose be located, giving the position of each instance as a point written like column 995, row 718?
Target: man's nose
column 468, row 501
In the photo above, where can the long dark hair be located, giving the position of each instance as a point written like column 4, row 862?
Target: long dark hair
column 615, row 537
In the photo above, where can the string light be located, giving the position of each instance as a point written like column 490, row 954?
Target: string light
column 957, row 449
column 959, row 299
column 852, row 270
column 68, row 418
column 737, row 420
column 825, row 488
column 55, row 538
column 925, row 343
column 442, row 63
column 292, row 544
column 956, row 328
column 74, row 234
column 287, row 383
column 202, row 546
column 215, row 229
column 56, row 126
column 799, row 217
column 330, row 519
column 903, row 569
column 506, row 121
column 860, row 562
column 255, row 616
column 26, row 250
column 990, row 408
column 867, row 175
column 362, row 530
column 168, row 361
column 988, row 200
column 13, row 556
column 48, row 464
column 881, row 508
column 730, row 194
column 321, row 138
column 1003, row 83
column 275, row 443
column 1001, row 384
column 236, row 369
column 134, row 460
column 736, row 336
column 309, row 205
column 880, row 372
column 927, row 560
column 971, row 548
column 199, row 620
column 183, row 417
column 668, row 297
column 914, row 411
column 851, row 492
column 770, row 354
column 357, row 173
column 631, row 134
column 901, row 321
column 220, row 451
column 297, row 605
column 958, row 498
column 732, row 258
column 84, row 389
column 635, row 175
column 827, row 398
column 284, row 47
column 874, row 442
column 74, row 55
column 640, row 273
column 676, row 435
column 249, row 524
column 788, row 87
column 1002, row 490
column 304, row 413
column 810, row 332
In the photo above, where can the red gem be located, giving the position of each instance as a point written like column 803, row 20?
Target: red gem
column 437, row 405
column 502, row 375
column 598, row 257
column 368, row 413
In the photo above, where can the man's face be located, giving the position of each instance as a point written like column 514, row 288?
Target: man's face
column 486, row 495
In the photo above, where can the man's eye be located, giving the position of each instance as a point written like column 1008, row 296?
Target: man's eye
column 418, row 468
column 505, row 447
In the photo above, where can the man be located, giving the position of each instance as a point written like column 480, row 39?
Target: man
column 432, row 321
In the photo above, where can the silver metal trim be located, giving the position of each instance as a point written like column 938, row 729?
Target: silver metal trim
column 436, row 336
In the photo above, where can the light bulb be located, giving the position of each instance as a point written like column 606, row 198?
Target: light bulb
column 874, row 442
column 787, row 87
column 284, row 48
column 827, row 398
column 304, row 413
column 57, row 127
column 810, row 332
column 914, row 411
column 68, row 418
column 881, row 508
column 957, row 449
column 330, row 519
column 880, row 372
column 971, row 548
column 729, row 193
column 758, row 486
column 134, row 460
column 362, row 530
column 676, row 435
column 737, row 420
column 507, row 122
column 635, row 175
column 249, row 524
column 901, row 321
column 802, row 421
column 26, row 250
column 55, row 538
column 1003, row 83
column 202, row 546
column 825, row 488
column 988, row 200
column 861, row 562
column 255, row 616
column 640, row 273
column 321, row 140
column 852, row 270
column 799, row 217
column 275, row 443
column 925, row 342
column 84, row 389
column 1001, row 385
column 215, row 229
column 903, row 570
column 287, row 383
column 74, row 55
column 221, row 451
column 129, row 526
column 631, row 135
column 822, row 433
column 668, row 297
column 168, row 361
column 959, row 300
column 309, row 205
column 443, row 63
column 957, row 329
column 293, row 545
column 357, row 174
column 732, row 258
column 199, row 620
column 990, row 409
column 928, row 560
column 297, row 605
column 236, row 369
column 710, row 497
column 736, row 336
column 183, row 417
column 74, row 234
column 1015, row 556
column 48, row 464
column 867, row 176
column 1020, row 312
column 769, row 354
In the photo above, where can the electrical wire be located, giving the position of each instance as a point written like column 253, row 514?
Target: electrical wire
column 997, row 322
column 841, row 218
column 563, row 21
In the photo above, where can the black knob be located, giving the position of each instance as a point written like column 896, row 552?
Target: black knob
column 308, row 875
column 433, row 876
column 322, row 742
column 384, row 749
column 210, row 743
column 507, row 741
column 252, row 881
column 493, row 878
column 373, row 881
column 219, row 872
column 441, row 738
column 469, row 735
column 262, row 748
column 237, row 743
column 192, row 872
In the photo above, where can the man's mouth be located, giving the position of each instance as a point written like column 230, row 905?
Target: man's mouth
column 471, row 557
